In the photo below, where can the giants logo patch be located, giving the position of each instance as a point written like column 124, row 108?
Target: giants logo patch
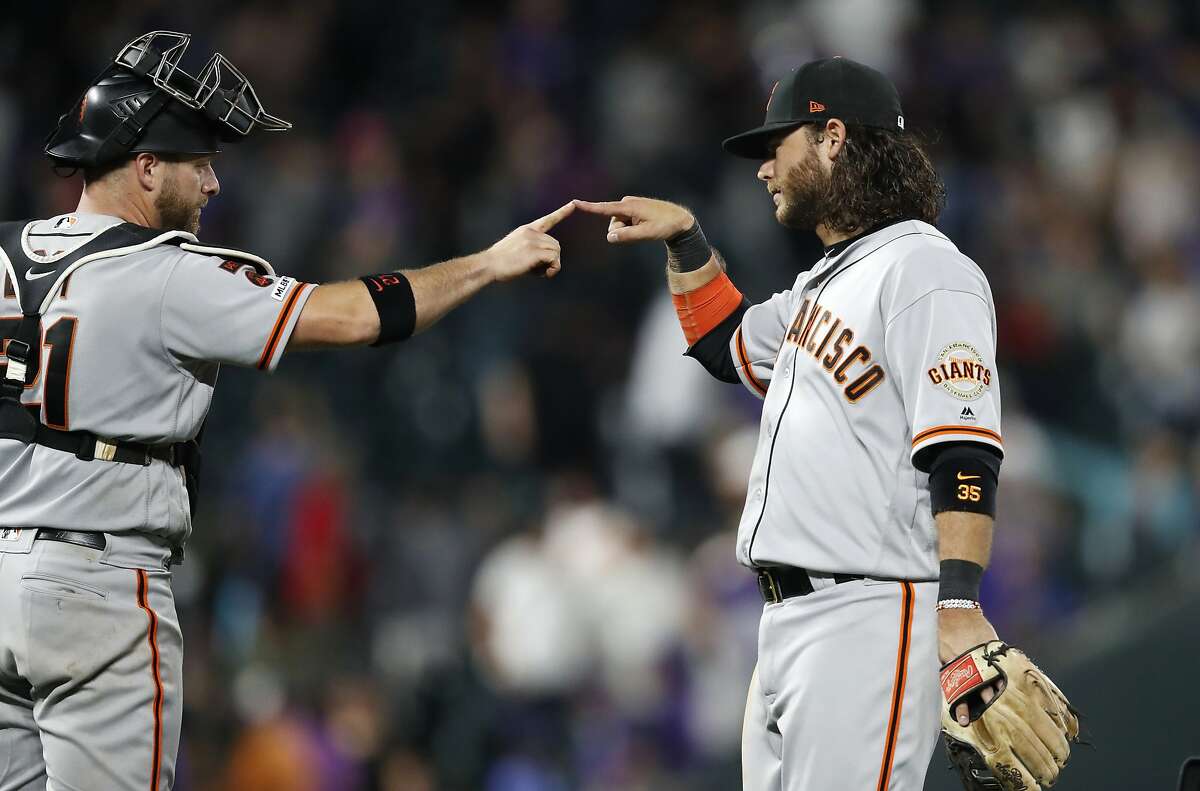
column 960, row 371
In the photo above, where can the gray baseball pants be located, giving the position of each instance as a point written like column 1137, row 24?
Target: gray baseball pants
column 91, row 660
column 846, row 694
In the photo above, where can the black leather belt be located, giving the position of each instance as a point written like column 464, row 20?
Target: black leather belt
column 80, row 538
column 777, row 583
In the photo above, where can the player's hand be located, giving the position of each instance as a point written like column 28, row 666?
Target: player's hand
column 634, row 219
column 958, row 632
column 529, row 248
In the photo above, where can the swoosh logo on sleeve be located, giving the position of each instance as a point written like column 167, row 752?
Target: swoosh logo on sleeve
column 962, row 477
column 29, row 275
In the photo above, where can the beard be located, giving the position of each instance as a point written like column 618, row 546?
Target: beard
column 804, row 196
column 174, row 211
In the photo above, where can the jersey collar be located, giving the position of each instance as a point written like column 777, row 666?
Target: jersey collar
column 837, row 248
column 836, row 257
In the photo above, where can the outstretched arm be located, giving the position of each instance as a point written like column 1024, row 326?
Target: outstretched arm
column 690, row 262
column 346, row 314
column 709, row 306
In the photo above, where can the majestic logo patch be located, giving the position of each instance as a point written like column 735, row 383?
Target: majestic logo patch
column 967, row 415
column 960, row 371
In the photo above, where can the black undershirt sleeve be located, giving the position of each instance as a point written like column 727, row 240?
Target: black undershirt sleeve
column 712, row 350
column 927, row 459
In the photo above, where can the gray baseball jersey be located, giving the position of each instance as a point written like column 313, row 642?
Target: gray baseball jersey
column 876, row 354
column 132, row 343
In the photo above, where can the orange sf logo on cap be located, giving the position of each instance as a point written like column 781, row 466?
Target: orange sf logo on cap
column 816, row 107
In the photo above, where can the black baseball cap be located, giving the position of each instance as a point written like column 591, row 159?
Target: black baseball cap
column 823, row 89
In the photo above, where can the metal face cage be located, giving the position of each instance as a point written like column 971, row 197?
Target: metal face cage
column 220, row 91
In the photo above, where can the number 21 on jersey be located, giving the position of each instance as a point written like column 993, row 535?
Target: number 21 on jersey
column 58, row 339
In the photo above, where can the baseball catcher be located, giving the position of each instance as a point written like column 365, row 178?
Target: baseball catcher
column 114, row 323
column 1017, row 739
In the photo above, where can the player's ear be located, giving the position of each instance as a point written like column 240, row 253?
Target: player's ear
column 148, row 169
column 835, row 133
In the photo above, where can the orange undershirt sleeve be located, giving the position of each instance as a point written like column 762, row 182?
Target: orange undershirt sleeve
column 702, row 309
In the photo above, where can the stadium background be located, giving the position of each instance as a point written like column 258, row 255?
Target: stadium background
column 500, row 556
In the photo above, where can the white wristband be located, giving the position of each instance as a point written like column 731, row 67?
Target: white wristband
column 958, row 604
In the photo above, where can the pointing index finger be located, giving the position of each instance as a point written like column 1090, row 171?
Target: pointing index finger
column 608, row 208
column 544, row 224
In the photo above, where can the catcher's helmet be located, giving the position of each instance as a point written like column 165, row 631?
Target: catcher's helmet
column 144, row 102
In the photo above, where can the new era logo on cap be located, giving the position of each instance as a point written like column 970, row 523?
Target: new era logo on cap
column 815, row 107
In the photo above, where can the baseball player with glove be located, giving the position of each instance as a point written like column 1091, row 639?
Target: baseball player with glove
column 114, row 321
column 878, row 456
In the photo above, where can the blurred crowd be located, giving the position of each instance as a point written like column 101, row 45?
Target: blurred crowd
column 500, row 556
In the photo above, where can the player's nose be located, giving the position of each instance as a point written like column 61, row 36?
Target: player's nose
column 211, row 187
column 766, row 171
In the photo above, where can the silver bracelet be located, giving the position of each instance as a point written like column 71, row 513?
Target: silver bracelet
column 958, row 604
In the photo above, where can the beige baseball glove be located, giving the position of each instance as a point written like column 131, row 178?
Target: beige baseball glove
column 1018, row 741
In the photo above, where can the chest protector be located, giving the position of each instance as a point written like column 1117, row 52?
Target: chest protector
column 36, row 284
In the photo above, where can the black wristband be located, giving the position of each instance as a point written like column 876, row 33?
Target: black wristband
column 689, row 250
column 959, row 579
column 393, row 297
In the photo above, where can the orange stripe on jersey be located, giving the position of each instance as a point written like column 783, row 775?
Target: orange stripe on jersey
column 702, row 309
column 939, row 431
column 152, row 638
column 277, row 331
column 893, row 729
column 744, row 359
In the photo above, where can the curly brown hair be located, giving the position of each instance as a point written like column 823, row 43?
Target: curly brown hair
column 879, row 177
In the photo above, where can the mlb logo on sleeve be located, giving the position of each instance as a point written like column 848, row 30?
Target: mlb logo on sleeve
column 282, row 287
